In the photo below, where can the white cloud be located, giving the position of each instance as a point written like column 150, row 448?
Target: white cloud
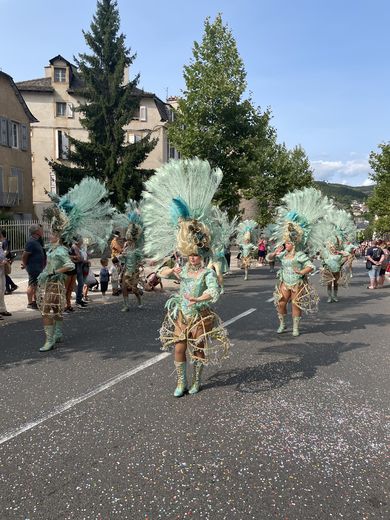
column 353, row 172
column 367, row 182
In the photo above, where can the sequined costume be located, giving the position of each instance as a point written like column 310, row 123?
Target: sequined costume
column 132, row 262
column 304, row 295
column 51, row 286
column 196, row 324
column 332, row 268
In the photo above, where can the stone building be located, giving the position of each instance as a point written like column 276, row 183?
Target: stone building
column 53, row 100
column 15, row 151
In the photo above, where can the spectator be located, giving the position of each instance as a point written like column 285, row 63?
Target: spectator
column 80, row 259
column 33, row 260
column 385, row 263
column 10, row 286
column 114, row 274
column 70, row 280
column 104, row 276
column 117, row 245
column 374, row 259
column 3, row 262
column 261, row 251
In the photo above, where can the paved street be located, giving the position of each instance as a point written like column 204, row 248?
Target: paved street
column 289, row 428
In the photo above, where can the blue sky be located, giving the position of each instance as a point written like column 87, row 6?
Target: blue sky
column 321, row 65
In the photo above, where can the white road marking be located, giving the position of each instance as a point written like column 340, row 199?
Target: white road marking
column 11, row 434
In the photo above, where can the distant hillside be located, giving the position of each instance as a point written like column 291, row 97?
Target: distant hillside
column 344, row 195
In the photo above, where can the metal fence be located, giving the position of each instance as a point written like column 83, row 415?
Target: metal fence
column 18, row 232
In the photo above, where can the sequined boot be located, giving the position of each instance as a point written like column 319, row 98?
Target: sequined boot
column 58, row 335
column 196, row 375
column 50, row 342
column 125, row 307
column 282, row 326
column 181, row 368
column 296, row 320
column 329, row 300
column 334, row 296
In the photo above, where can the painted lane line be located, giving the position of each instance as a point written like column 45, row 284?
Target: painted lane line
column 11, row 434
column 242, row 315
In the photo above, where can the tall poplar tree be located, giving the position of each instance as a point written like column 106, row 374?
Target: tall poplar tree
column 110, row 104
column 215, row 121
column 379, row 201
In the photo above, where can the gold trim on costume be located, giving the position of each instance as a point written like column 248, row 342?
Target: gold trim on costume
column 202, row 333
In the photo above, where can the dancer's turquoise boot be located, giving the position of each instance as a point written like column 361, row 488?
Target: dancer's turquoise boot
column 181, row 388
column 282, row 326
column 334, row 296
column 329, row 300
column 296, row 320
column 196, row 376
column 49, row 343
column 58, row 335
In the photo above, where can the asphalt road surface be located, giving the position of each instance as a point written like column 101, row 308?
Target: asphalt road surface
column 288, row 428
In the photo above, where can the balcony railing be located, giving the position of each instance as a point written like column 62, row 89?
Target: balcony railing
column 8, row 200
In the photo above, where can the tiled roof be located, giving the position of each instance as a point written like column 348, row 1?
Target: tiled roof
column 40, row 85
column 20, row 98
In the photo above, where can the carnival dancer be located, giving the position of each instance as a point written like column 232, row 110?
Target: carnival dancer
column 176, row 207
column 222, row 232
column 78, row 212
column 330, row 237
column 245, row 239
column 295, row 221
column 132, row 255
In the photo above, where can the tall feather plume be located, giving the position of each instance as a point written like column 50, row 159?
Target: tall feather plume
column 87, row 214
column 302, row 209
column 192, row 185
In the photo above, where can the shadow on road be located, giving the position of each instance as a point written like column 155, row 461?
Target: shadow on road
column 307, row 357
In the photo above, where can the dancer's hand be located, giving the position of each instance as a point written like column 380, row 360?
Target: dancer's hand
column 177, row 270
column 191, row 299
column 278, row 250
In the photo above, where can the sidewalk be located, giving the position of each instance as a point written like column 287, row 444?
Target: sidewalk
column 16, row 302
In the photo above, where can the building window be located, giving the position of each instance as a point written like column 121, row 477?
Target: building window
column 60, row 109
column 59, row 74
column 62, row 145
column 14, row 134
column 134, row 138
column 142, row 113
column 15, row 183
column 172, row 152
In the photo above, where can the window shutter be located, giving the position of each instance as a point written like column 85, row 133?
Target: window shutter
column 142, row 113
column 70, row 110
column 65, row 146
column 24, row 142
column 3, row 131
column 131, row 138
column 9, row 124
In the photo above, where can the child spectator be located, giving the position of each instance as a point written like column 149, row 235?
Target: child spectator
column 114, row 274
column 104, row 276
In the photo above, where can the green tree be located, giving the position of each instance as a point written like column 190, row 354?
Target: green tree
column 213, row 121
column 109, row 106
column 277, row 171
column 379, row 201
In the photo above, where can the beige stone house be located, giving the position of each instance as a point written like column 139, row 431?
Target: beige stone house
column 15, row 152
column 53, row 100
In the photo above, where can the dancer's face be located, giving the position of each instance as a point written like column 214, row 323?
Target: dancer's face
column 289, row 246
column 194, row 259
column 54, row 238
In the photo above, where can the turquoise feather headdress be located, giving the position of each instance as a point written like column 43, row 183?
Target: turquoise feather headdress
column 298, row 214
column 246, row 230
column 83, row 212
column 176, row 207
